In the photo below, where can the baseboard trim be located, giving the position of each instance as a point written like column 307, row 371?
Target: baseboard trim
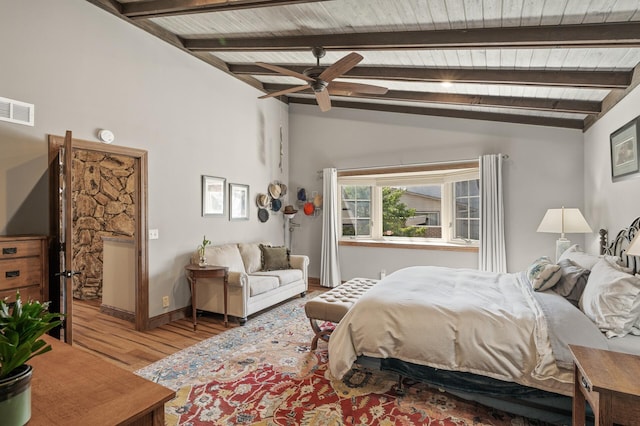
column 168, row 317
column 118, row 313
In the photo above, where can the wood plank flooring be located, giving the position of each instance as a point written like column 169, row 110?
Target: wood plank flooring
column 118, row 342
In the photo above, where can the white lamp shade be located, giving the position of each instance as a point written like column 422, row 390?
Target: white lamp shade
column 564, row 221
column 634, row 246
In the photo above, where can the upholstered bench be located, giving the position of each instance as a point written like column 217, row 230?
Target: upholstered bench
column 331, row 306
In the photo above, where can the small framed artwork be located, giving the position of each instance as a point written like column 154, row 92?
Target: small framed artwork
column 625, row 157
column 213, row 196
column 238, row 201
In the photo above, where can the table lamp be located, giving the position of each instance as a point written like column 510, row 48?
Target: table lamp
column 563, row 221
column 634, row 246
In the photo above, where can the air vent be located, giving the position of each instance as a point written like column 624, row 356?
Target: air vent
column 16, row 111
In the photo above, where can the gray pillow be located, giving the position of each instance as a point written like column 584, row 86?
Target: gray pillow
column 274, row 258
column 572, row 281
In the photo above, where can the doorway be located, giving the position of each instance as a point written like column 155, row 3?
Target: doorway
column 107, row 200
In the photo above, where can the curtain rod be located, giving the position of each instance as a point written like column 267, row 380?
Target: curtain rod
column 504, row 157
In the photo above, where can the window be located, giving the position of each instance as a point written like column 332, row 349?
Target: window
column 438, row 204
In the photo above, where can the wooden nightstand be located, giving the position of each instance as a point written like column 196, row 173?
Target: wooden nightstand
column 610, row 381
column 210, row 271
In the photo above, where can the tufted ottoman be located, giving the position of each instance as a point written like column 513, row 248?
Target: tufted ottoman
column 332, row 305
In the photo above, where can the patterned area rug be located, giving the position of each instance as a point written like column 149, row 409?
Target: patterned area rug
column 266, row 374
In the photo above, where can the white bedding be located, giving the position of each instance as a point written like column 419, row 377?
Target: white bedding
column 454, row 319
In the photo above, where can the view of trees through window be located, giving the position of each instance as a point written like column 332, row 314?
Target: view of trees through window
column 412, row 211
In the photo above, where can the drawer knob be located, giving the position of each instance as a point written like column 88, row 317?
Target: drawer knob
column 585, row 384
column 10, row 250
column 12, row 274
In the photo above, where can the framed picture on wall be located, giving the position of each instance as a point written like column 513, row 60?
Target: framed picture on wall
column 213, row 200
column 238, row 201
column 625, row 157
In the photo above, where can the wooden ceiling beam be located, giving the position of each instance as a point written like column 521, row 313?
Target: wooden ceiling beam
column 159, row 8
column 539, row 104
column 620, row 34
column 455, row 113
column 584, row 79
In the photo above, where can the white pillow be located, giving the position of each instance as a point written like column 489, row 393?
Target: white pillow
column 611, row 299
column 585, row 260
column 543, row 274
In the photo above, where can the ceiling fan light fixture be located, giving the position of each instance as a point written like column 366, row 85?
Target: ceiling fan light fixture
column 318, row 85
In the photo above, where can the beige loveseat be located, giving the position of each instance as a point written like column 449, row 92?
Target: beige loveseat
column 250, row 288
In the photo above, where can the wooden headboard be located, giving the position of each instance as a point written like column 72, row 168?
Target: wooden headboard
column 618, row 246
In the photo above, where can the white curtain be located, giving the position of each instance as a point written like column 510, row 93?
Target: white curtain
column 329, row 261
column 493, row 255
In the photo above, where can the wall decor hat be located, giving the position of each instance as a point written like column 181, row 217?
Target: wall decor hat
column 309, row 208
column 283, row 189
column 289, row 210
column 262, row 200
column 317, row 200
column 263, row 215
column 276, row 204
column 274, row 190
column 302, row 194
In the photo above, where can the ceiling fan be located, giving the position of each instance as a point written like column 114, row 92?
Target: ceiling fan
column 320, row 79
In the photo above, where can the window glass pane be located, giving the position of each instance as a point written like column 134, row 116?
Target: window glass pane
column 363, row 192
column 363, row 227
column 461, row 229
column 356, row 210
column 462, row 208
column 462, row 188
column 410, row 211
column 363, row 209
column 474, row 187
column 474, row 232
column 474, row 207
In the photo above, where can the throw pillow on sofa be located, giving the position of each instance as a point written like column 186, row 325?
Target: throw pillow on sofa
column 274, row 258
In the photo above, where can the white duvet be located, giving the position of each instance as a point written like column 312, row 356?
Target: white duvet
column 454, row 319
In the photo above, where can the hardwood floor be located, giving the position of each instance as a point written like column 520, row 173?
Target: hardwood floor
column 118, row 342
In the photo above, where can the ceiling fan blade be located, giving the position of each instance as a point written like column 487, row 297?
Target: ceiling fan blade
column 347, row 89
column 342, row 66
column 323, row 100
column 285, row 91
column 284, row 71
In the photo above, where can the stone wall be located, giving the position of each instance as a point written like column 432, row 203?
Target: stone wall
column 104, row 196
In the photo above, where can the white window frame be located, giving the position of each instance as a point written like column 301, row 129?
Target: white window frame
column 446, row 176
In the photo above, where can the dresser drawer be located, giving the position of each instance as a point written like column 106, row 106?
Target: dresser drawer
column 20, row 272
column 32, row 292
column 14, row 249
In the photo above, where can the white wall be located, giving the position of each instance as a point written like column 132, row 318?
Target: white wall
column 544, row 170
column 85, row 69
column 609, row 205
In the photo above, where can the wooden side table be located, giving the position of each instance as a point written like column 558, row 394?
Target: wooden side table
column 209, row 271
column 610, row 381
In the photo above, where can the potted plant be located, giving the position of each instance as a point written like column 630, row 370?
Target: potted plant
column 21, row 326
column 201, row 251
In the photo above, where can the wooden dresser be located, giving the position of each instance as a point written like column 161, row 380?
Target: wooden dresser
column 24, row 266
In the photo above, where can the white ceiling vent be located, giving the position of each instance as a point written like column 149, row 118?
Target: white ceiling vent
column 16, row 111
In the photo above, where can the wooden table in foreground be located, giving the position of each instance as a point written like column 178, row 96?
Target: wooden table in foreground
column 610, row 381
column 72, row 387
column 209, row 271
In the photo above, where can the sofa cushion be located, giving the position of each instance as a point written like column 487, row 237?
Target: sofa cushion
column 259, row 284
column 274, row 258
column 251, row 256
column 225, row 255
column 285, row 276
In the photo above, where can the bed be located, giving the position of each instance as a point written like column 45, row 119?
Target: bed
column 493, row 337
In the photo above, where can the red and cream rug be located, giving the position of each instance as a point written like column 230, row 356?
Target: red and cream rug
column 265, row 374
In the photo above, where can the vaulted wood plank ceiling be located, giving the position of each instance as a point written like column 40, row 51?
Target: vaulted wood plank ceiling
column 559, row 63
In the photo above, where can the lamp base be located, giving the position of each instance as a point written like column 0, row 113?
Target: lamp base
column 562, row 244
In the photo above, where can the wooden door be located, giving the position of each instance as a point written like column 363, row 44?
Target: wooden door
column 61, row 225
column 57, row 175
